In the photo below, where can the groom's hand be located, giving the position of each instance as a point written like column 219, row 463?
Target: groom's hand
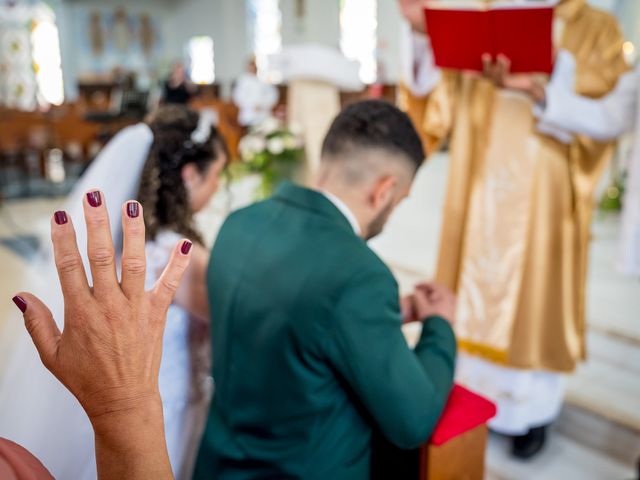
column 431, row 299
column 108, row 354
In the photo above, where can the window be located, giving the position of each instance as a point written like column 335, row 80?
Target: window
column 358, row 35
column 201, row 60
column 265, row 21
column 30, row 63
column 47, row 64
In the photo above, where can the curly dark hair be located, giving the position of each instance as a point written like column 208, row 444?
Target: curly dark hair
column 162, row 192
column 373, row 124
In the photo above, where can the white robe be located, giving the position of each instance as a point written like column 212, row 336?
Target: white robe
column 602, row 119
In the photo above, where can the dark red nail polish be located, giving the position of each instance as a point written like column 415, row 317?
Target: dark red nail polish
column 94, row 199
column 133, row 209
column 60, row 217
column 186, row 247
column 20, row 303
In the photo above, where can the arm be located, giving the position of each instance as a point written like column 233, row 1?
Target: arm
column 404, row 391
column 192, row 293
column 111, row 367
column 601, row 119
column 419, row 72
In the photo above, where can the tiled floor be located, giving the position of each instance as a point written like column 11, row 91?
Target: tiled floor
column 598, row 434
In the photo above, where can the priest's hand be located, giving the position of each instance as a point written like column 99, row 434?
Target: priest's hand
column 413, row 12
column 431, row 299
column 499, row 72
column 108, row 354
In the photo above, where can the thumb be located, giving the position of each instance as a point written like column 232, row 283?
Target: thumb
column 40, row 325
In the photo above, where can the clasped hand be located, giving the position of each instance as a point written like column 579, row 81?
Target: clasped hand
column 428, row 300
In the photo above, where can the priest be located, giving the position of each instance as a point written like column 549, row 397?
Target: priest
column 514, row 240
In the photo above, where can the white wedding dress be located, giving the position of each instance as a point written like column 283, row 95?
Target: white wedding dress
column 185, row 382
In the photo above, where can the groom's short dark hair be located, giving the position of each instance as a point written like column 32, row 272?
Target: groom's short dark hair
column 374, row 124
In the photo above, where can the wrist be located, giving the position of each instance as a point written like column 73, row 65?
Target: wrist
column 133, row 413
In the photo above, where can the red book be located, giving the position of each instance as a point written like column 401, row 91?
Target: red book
column 461, row 33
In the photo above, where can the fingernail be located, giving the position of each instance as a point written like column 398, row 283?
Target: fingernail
column 60, row 217
column 94, row 199
column 133, row 209
column 186, row 247
column 20, row 303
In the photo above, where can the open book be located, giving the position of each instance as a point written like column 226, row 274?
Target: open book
column 462, row 31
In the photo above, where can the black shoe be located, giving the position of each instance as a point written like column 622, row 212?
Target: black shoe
column 528, row 445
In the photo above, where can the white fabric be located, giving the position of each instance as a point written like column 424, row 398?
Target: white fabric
column 603, row 119
column 185, row 384
column 317, row 63
column 254, row 98
column 35, row 409
column 345, row 210
column 525, row 398
column 419, row 72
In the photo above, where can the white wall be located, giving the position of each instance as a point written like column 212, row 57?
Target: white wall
column 320, row 23
column 224, row 21
column 71, row 17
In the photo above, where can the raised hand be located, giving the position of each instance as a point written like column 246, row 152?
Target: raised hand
column 108, row 354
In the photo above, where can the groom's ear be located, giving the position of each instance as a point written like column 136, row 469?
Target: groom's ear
column 383, row 191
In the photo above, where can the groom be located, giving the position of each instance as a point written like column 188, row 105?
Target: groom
column 309, row 358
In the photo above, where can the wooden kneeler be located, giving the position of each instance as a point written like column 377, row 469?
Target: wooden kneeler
column 457, row 447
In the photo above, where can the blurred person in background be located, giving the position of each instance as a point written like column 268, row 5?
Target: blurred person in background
column 254, row 97
column 178, row 88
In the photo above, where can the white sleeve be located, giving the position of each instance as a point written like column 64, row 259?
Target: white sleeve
column 419, row 72
column 601, row 119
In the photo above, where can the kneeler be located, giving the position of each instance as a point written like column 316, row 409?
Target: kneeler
column 458, row 443
column 455, row 451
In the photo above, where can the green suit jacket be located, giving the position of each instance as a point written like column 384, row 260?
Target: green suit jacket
column 308, row 354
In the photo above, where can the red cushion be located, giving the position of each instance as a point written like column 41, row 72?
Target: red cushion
column 464, row 411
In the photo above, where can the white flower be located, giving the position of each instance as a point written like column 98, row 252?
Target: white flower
column 251, row 145
column 259, row 144
column 276, row 146
column 269, row 126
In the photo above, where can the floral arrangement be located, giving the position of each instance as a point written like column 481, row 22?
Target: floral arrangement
column 273, row 151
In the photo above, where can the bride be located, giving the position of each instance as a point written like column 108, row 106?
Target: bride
column 172, row 167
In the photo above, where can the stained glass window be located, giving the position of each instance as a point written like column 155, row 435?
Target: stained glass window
column 30, row 66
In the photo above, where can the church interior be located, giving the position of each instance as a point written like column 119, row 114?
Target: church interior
column 75, row 73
